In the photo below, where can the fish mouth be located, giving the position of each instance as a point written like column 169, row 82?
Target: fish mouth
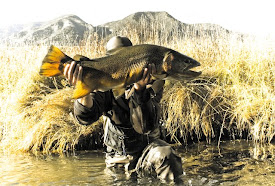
column 187, row 74
column 190, row 73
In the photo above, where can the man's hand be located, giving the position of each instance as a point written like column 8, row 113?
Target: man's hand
column 146, row 78
column 73, row 73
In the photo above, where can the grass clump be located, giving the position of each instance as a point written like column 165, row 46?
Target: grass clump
column 235, row 92
column 36, row 112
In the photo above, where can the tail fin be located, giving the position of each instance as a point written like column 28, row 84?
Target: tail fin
column 53, row 63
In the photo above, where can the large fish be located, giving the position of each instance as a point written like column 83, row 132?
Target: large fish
column 124, row 66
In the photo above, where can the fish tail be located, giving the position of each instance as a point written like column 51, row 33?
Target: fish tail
column 54, row 62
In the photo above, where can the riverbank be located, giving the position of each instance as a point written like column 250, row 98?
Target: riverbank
column 234, row 97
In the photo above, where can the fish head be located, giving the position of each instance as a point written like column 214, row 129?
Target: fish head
column 178, row 66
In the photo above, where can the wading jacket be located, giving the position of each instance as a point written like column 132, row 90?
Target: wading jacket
column 129, row 124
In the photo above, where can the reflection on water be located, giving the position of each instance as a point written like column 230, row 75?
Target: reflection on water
column 235, row 163
column 86, row 167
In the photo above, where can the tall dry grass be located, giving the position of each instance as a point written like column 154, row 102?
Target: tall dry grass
column 235, row 91
column 36, row 112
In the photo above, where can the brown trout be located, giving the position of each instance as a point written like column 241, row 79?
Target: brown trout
column 124, row 66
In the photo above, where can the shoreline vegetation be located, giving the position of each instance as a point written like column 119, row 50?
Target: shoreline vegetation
column 233, row 98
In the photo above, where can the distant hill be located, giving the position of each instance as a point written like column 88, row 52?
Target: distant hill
column 9, row 30
column 158, row 19
column 163, row 24
column 71, row 29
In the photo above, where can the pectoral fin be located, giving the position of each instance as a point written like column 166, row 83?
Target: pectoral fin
column 157, row 85
column 178, row 77
column 81, row 90
column 158, row 76
column 118, row 92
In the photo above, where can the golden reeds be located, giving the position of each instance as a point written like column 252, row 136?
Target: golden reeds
column 235, row 91
column 36, row 112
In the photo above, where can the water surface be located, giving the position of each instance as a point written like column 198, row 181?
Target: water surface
column 237, row 162
column 234, row 163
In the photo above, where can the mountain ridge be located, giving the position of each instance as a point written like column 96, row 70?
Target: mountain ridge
column 73, row 29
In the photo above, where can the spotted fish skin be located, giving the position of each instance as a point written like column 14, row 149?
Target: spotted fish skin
column 122, row 67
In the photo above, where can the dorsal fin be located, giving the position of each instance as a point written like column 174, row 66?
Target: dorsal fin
column 114, row 51
column 81, row 58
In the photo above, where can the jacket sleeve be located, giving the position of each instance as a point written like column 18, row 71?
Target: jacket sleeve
column 145, row 110
column 86, row 116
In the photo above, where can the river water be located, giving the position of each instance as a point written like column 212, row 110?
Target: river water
column 237, row 162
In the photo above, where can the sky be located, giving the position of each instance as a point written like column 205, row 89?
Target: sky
column 247, row 16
